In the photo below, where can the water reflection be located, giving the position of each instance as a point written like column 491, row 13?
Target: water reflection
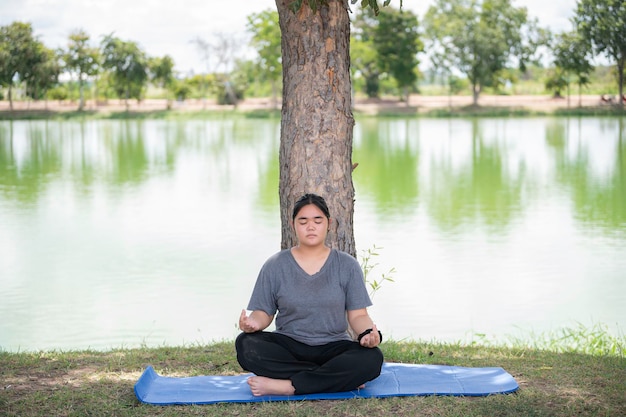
column 491, row 224
column 590, row 167
column 485, row 187
column 388, row 158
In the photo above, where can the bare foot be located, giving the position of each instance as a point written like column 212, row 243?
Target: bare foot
column 261, row 385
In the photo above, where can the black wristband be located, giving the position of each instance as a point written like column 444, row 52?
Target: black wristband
column 368, row 331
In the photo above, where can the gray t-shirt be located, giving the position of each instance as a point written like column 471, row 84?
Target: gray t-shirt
column 311, row 308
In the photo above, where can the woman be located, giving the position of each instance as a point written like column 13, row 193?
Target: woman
column 315, row 293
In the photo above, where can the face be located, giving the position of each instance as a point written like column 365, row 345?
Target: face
column 311, row 226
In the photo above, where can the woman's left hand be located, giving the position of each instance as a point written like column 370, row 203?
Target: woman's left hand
column 372, row 339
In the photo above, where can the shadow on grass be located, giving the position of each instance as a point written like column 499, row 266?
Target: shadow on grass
column 101, row 383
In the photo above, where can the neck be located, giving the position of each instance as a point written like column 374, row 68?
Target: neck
column 312, row 250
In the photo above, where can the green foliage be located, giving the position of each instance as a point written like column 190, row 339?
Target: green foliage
column 296, row 5
column 161, row 72
column 556, row 82
column 595, row 341
column 363, row 54
column 202, row 84
column 571, row 58
column 266, row 39
column 603, row 24
column 368, row 264
column 81, row 59
column 462, row 34
column 385, row 45
column 17, row 44
column 456, row 84
column 24, row 58
column 397, row 44
column 246, row 74
column 182, row 90
column 59, row 93
column 128, row 67
column 229, row 93
column 44, row 74
column 480, row 39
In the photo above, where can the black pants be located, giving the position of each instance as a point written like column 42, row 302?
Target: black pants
column 333, row 367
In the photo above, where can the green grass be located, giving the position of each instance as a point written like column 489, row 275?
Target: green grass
column 394, row 111
column 577, row 371
column 134, row 115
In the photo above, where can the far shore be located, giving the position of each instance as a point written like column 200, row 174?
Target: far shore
column 417, row 104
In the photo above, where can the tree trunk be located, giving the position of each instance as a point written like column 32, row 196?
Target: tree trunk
column 620, row 76
column 316, row 116
column 10, row 98
column 81, row 88
column 274, row 94
column 568, row 94
column 475, row 94
column 580, row 95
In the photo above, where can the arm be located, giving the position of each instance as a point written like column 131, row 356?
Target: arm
column 257, row 320
column 360, row 321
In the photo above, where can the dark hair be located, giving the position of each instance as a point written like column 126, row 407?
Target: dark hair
column 307, row 199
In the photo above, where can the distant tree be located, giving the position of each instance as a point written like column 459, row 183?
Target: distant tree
column 59, row 93
column 44, row 74
column 204, row 49
column 248, row 77
column 603, row 23
column 225, row 50
column 572, row 55
column 82, row 60
column 200, row 85
column 128, row 67
column 162, row 75
column 363, row 54
column 556, row 81
column 222, row 52
column 481, row 39
column 266, row 40
column 20, row 55
column 182, row 89
column 397, row 43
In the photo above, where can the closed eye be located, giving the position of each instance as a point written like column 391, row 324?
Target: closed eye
column 304, row 220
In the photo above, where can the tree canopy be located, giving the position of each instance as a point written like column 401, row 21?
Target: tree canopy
column 128, row 67
column 81, row 59
column 397, row 43
column 266, row 40
column 22, row 57
column 480, row 39
column 479, row 43
column 603, row 23
column 571, row 56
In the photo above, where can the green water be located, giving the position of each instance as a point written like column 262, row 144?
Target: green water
column 122, row 233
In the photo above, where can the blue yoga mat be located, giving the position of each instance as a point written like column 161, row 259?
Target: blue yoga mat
column 395, row 380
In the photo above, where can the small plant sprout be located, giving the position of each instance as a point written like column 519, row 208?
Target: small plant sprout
column 368, row 264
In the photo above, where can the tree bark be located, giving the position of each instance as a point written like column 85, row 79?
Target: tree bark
column 316, row 116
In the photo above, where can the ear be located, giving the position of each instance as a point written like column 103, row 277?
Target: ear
column 330, row 220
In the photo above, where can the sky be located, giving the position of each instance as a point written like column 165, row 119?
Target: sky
column 168, row 27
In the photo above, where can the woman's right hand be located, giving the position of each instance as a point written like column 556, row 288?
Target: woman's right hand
column 248, row 324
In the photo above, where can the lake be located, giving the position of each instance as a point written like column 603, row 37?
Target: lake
column 134, row 233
